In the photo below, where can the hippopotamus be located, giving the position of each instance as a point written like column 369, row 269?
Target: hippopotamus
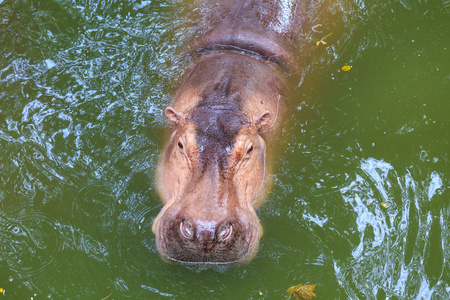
column 213, row 173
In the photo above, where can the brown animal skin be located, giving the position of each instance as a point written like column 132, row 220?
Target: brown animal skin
column 212, row 174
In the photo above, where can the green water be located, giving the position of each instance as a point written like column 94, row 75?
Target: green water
column 360, row 204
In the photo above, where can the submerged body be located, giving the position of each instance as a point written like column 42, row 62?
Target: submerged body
column 212, row 174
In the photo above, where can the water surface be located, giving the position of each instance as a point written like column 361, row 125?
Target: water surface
column 360, row 203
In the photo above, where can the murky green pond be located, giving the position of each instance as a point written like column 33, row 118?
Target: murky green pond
column 360, row 204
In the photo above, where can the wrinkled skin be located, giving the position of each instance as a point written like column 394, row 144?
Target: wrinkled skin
column 213, row 172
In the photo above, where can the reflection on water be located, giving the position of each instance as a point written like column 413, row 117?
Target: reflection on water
column 401, row 248
column 360, row 201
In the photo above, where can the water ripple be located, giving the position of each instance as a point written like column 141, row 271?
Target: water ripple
column 392, row 216
column 30, row 238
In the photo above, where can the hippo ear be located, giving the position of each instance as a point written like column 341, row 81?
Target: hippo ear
column 262, row 120
column 173, row 115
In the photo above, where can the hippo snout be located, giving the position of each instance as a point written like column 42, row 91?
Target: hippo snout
column 201, row 241
column 197, row 241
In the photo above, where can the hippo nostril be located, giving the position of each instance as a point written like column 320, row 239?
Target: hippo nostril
column 186, row 229
column 224, row 232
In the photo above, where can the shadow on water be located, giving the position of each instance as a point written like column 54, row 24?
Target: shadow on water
column 360, row 203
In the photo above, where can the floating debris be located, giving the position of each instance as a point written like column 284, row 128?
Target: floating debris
column 346, row 68
column 321, row 41
column 2, row 291
column 314, row 28
column 302, row 291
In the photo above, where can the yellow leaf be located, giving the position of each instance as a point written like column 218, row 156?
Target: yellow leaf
column 383, row 204
column 346, row 68
column 321, row 41
column 2, row 291
column 302, row 291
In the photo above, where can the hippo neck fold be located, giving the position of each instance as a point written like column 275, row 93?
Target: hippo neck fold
column 268, row 29
column 241, row 37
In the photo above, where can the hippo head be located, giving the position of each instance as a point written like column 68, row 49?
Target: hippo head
column 210, row 178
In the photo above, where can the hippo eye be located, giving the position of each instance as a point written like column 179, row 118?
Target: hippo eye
column 180, row 145
column 250, row 150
